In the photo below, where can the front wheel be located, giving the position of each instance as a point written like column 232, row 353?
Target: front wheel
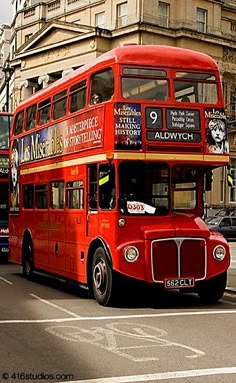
column 102, row 278
column 212, row 290
column 27, row 260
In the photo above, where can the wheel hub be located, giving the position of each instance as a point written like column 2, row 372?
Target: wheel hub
column 100, row 276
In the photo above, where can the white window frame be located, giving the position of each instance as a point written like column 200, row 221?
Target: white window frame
column 100, row 20
column 201, row 20
column 164, row 14
column 122, row 15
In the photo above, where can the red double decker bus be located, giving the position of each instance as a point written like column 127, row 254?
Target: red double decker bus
column 112, row 164
column 5, row 125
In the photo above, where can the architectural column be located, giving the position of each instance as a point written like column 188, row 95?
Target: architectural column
column 45, row 80
column 27, row 88
column 65, row 72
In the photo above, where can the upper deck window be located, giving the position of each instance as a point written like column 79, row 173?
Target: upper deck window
column 18, row 128
column 144, row 72
column 102, row 88
column 59, row 104
column 44, row 112
column 144, row 84
column 31, row 117
column 78, row 96
column 196, row 87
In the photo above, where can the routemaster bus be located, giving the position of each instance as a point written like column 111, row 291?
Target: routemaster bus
column 5, row 124
column 109, row 168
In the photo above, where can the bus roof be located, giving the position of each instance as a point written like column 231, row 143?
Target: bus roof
column 132, row 54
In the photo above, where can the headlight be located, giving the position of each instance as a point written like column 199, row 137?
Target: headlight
column 131, row 253
column 219, row 253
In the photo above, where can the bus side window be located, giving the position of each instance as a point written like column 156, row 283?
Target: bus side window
column 78, row 96
column 57, row 200
column 19, row 123
column 75, row 194
column 41, row 196
column 59, row 105
column 28, row 196
column 31, row 117
column 102, row 88
column 44, row 112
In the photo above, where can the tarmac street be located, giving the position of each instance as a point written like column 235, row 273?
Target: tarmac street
column 50, row 331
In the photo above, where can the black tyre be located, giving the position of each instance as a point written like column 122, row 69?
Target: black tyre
column 102, row 278
column 212, row 290
column 27, row 260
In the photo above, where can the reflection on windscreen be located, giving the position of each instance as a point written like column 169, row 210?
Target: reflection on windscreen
column 144, row 188
column 185, row 195
column 184, row 183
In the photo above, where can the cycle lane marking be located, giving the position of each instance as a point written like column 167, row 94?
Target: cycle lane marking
column 113, row 338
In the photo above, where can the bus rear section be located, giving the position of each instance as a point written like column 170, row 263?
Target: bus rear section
column 5, row 126
column 4, row 213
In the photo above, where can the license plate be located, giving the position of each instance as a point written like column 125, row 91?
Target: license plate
column 5, row 250
column 178, row 283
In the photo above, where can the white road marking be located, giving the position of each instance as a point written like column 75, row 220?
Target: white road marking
column 161, row 376
column 6, row 281
column 111, row 338
column 55, row 306
column 102, row 318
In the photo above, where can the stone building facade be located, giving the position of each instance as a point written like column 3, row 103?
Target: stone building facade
column 50, row 38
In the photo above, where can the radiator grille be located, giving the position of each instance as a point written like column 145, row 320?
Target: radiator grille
column 178, row 258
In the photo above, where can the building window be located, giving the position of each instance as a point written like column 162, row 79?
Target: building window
column 233, row 26
column 27, row 37
column 164, row 14
column 100, row 20
column 201, row 20
column 233, row 103
column 232, row 194
column 122, row 15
